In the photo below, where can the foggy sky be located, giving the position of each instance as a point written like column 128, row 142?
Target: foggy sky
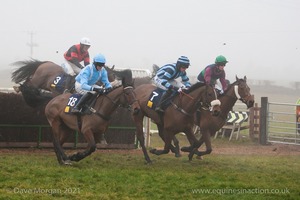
column 260, row 38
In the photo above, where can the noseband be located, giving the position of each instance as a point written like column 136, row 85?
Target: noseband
column 238, row 96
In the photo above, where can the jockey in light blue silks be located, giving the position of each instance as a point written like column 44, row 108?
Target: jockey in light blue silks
column 166, row 75
column 88, row 77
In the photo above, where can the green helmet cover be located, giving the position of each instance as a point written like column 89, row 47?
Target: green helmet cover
column 221, row 59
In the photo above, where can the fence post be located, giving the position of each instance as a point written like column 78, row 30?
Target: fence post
column 263, row 121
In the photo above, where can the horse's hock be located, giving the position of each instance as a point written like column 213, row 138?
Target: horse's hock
column 23, row 126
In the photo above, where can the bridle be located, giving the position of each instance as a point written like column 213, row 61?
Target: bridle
column 238, row 96
column 205, row 105
column 128, row 90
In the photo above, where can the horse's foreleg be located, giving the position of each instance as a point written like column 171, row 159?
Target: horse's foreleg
column 190, row 148
column 89, row 150
column 176, row 149
column 57, row 134
column 140, row 137
column 207, row 140
column 195, row 143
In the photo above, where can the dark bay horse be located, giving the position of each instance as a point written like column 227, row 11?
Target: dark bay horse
column 43, row 79
column 91, row 126
column 178, row 117
column 209, row 125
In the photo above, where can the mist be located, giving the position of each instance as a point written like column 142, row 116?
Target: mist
column 260, row 38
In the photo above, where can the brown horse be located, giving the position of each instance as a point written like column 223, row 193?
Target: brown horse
column 92, row 125
column 178, row 117
column 43, row 80
column 239, row 90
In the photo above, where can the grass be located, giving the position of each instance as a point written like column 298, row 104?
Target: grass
column 114, row 174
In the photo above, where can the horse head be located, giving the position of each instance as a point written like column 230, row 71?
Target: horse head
column 127, row 82
column 242, row 92
column 208, row 98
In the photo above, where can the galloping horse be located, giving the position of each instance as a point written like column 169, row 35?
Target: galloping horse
column 239, row 90
column 43, row 79
column 91, row 126
column 178, row 117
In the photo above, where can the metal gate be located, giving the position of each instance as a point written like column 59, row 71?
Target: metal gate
column 279, row 123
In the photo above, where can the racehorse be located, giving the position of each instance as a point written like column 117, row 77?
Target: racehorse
column 178, row 117
column 92, row 125
column 43, row 79
column 239, row 90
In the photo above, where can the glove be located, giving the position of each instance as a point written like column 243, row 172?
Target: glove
column 107, row 90
column 99, row 90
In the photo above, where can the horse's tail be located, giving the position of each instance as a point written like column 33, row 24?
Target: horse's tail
column 26, row 70
column 32, row 96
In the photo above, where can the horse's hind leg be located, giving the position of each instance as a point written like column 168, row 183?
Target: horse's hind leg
column 175, row 149
column 205, row 138
column 167, row 139
column 89, row 136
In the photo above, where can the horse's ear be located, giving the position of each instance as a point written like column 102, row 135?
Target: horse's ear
column 245, row 78
column 236, row 78
column 113, row 67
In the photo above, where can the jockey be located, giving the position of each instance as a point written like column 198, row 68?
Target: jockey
column 88, row 77
column 166, row 75
column 213, row 72
column 76, row 54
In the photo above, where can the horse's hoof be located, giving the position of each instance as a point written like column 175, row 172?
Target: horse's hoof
column 153, row 151
column 186, row 149
column 177, row 155
column 199, row 157
column 67, row 162
column 148, row 162
column 17, row 89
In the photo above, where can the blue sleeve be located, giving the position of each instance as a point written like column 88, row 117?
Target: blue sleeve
column 165, row 76
column 83, row 79
column 104, row 79
column 185, row 80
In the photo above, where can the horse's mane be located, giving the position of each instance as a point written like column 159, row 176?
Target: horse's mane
column 233, row 84
column 125, row 75
column 195, row 86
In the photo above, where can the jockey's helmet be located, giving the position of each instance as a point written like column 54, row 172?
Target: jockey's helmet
column 221, row 60
column 85, row 41
column 99, row 60
column 183, row 61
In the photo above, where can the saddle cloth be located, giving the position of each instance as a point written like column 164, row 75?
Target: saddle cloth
column 154, row 98
column 73, row 100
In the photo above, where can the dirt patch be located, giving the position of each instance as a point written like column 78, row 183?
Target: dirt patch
column 274, row 149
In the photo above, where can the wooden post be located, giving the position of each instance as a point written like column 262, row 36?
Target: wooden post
column 263, row 121
column 254, row 122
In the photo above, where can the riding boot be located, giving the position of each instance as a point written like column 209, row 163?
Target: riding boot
column 69, row 85
column 164, row 97
column 82, row 101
